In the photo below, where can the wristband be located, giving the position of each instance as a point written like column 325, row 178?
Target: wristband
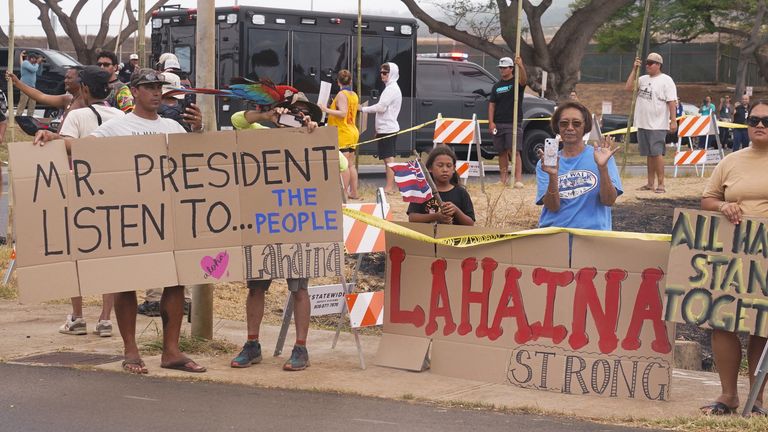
column 722, row 205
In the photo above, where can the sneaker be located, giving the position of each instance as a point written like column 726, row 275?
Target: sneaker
column 299, row 359
column 149, row 308
column 103, row 328
column 73, row 326
column 251, row 354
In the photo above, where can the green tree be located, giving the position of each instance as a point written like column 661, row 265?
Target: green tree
column 685, row 20
column 559, row 55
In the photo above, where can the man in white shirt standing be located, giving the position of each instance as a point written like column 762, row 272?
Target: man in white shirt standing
column 146, row 87
column 654, row 116
column 79, row 123
column 387, row 111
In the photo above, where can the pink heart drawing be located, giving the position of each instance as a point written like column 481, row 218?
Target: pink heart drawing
column 215, row 266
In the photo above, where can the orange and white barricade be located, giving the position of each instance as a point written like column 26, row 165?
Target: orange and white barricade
column 697, row 126
column 360, row 237
column 461, row 131
column 366, row 309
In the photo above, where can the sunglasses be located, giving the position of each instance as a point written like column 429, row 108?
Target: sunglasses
column 651, row 63
column 753, row 121
column 504, row 67
column 103, row 64
column 565, row 123
column 384, row 72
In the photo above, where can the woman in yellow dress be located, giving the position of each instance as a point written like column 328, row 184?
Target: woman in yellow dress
column 342, row 114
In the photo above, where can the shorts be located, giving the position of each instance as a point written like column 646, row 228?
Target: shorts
column 386, row 146
column 294, row 285
column 652, row 142
column 502, row 140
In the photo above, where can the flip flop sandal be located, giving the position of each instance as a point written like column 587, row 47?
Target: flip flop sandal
column 645, row 188
column 185, row 365
column 759, row 411
column 135, row 366
column 660, row 190
column 717, row 409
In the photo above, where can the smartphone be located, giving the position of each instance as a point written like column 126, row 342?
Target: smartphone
column 290, row 120
column 190, row 98
column 551, row 146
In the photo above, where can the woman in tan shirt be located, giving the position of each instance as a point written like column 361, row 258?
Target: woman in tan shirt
column 736, row 189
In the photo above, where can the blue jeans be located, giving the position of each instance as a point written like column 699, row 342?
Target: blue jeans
column 740, row 139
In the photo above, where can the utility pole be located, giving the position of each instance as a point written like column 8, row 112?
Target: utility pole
column 205, row 76
column 142, row 26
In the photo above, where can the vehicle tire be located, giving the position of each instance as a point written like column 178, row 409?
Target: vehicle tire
column 533, row 140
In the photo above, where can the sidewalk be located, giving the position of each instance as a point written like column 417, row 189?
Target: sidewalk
column 27, row 330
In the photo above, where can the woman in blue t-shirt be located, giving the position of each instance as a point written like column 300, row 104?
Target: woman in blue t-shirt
column 580, row 189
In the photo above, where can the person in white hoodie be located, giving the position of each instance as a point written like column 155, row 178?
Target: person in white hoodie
column 387, row 111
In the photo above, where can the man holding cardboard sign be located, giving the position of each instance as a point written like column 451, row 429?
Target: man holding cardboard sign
column 257, row 289
column 78, row 124
column 146, row 86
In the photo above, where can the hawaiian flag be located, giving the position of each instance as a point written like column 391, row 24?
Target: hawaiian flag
column 411, row 181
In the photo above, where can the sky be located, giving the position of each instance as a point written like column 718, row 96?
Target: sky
column 27, row 24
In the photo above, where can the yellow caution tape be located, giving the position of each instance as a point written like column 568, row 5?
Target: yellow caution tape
column 481, row 239
column 417, row 127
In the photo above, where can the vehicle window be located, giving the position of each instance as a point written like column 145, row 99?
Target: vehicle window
column 335, row 57
column 4, row 59
column 400, row 52
column 267, row 55
column 433, row 79
column 472, row 78
column 306, row 62
column 184, row 54
column 371, row 60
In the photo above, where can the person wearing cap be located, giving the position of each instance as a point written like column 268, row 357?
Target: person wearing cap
column 500, row 111
column 168, row 62
column 31, row 68
column 387, row 110
column 172, row 106
column 146, row 88
column 78, row 124
column 120, row 95
column 127, row 70
column 655, row 116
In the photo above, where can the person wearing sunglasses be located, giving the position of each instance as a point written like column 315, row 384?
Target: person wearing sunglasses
column 500, row 111
column 387, row 110
column 654, row 116
column 737, row 188
column 580, row 189
column 120, row 96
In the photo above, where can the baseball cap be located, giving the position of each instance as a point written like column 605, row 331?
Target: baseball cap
column 173, row 82
column 506, row 62
column 171, row 64
column 133, row 57
column 655, row 58
column 147, row 76
column 95, row 78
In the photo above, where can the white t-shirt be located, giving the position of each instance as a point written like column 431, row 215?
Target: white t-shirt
column 653, row 93
column 131, row 124
column 82, row 121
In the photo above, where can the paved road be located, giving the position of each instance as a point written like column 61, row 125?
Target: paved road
column 63, row 399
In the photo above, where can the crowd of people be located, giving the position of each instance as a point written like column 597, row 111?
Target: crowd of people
column 575, row 190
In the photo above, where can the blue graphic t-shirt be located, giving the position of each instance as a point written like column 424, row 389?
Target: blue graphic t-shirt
column 579, row 185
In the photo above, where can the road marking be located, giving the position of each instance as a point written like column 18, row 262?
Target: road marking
column 374, row 421
column 141, row 398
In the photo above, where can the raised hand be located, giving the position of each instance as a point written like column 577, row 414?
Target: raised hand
column 604, row 150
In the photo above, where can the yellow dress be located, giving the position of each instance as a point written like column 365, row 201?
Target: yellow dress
column 348, row 133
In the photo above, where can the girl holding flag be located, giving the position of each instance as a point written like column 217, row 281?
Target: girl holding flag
column 456, row 205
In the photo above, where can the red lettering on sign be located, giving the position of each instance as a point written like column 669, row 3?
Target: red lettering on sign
column 439, row 301
column 396, row 315
column 648, row 307
column 605, row 319
column 517, row 310
column 468, row 266
column 553, row 280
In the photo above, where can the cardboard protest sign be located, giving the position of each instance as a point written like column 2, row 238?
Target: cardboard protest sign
column 718, row 272
column 527, row 313
column 150, row 211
